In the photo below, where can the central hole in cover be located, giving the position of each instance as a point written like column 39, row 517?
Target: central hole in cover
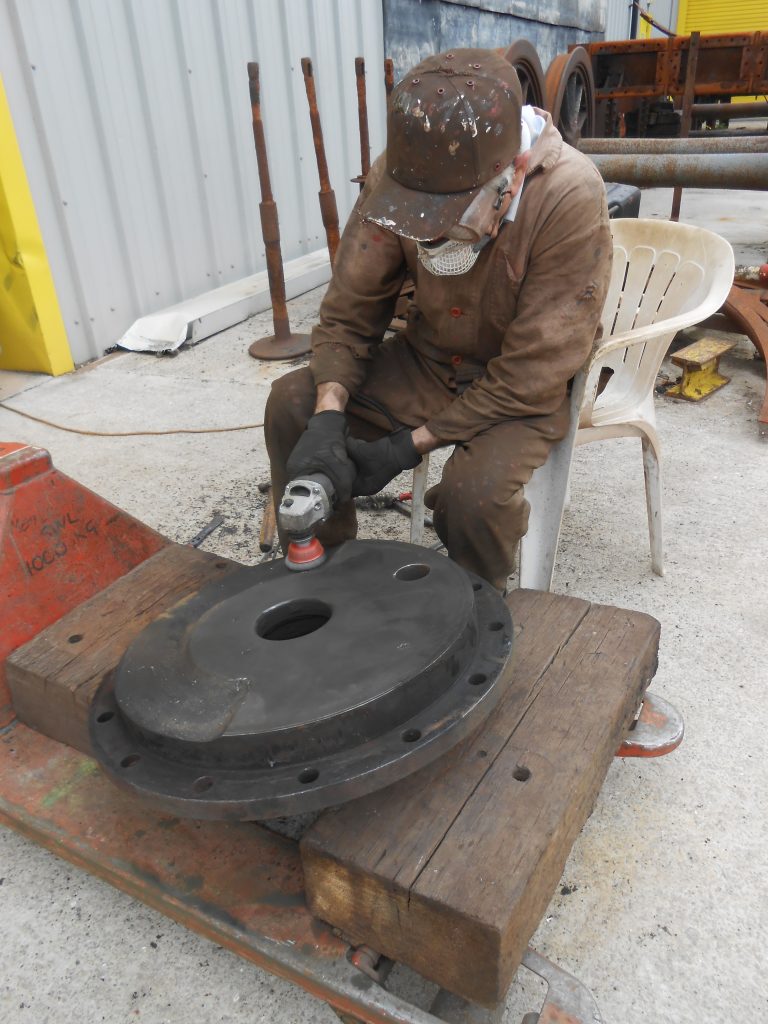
column 293, row 619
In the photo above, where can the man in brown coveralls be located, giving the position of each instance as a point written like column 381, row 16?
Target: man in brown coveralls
column 504, row 229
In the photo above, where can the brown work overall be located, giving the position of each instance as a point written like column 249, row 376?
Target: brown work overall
column 484, row 361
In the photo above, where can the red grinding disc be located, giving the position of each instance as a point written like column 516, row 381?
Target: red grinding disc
column 305, row 556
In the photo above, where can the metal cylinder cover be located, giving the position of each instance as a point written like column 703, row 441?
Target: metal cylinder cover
column 273, row 693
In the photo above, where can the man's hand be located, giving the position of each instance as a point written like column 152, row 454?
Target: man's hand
column 322, row 448
column 380, row 461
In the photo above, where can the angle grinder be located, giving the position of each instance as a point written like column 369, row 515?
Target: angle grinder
column 307, row 502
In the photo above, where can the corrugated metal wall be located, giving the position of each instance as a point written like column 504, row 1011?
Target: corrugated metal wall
column 412, row 30
column 134, row 123
column 618, row 16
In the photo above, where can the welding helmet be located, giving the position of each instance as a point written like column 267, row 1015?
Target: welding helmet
column 453, row 130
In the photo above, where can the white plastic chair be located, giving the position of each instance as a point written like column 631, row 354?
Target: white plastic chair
column 666, row 276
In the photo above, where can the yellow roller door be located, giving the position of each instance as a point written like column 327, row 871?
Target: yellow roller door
column 722, row 16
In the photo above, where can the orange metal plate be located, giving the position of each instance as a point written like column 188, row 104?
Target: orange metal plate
column 59, row 545
column 235, row 883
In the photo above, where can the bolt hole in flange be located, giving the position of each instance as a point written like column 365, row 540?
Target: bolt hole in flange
column 521, row 773
column 495, row 626
column 130, row 760
column 411, row 735
column 307, row 775
column 409, row 573
column 203, row 784
column 293, row 619
column 106, row 716
column 478, row 679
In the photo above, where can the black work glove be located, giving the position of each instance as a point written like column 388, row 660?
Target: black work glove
column 380, row 461
column 322, row 448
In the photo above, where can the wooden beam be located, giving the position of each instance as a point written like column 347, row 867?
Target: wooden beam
column 54, row 676
column 450, row 870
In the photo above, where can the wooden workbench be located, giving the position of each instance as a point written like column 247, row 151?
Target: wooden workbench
column 448, row 871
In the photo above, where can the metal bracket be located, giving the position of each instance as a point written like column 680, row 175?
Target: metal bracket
column 567, row 1001
column 657, row 730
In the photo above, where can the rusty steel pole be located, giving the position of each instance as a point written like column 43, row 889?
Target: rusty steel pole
column 669, row 170
column 699, row 145
column 687, row 115
column 728, row 110
column 389, row 75
column 362, row 120
column 283, row 344
column 327, row 196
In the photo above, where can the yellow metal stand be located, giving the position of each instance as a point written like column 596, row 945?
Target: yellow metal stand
column 32, row 334
column 700, row 363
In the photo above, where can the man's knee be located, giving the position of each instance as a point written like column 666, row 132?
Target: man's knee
column 290, row 403
column 476, row 501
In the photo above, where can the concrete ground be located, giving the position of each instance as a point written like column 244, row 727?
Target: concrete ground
column 663, row 907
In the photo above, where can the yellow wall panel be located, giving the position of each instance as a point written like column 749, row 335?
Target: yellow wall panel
column 722, row 16
column 32, row 334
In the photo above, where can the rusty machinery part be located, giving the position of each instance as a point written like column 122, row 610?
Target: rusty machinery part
column 747, row 307
column 699, row 145
column 666, row 170
column 570, row 95
column 525, row 60
column 283, row 344
column 636, row 78
column 272, row 693
column 731, row 64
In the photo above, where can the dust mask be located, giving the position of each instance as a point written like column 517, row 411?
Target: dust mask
column 447, row 258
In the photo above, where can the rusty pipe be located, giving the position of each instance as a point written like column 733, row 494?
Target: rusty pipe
column 389, row 75
column 362, row 119
column 729, row 110
column 728, row 133
column 686, row 116
column 328, row 210
column 701, row 145
column 668, row 170
column 270, row 226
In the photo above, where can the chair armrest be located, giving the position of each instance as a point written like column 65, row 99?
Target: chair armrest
column 642, row 335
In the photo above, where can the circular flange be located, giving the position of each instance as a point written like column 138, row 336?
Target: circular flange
column 524, row 59
column 271, row 693
column 570, row 95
